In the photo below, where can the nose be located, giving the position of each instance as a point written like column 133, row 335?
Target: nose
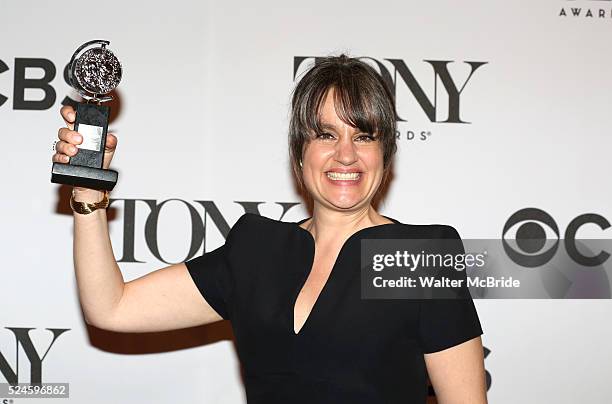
column 345, row 151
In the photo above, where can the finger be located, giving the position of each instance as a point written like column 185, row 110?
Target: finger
column 111, row 142
column 68, row 114
column 66, row 148
column 60, row 158
column 69, row 136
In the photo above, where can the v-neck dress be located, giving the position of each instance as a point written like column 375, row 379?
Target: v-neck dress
column 349, row 350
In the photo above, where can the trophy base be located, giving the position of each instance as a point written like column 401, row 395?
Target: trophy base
column 83, row 176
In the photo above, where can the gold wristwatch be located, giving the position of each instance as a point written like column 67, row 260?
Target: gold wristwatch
column 85, row 208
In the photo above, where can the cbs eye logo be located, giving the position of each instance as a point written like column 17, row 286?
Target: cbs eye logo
column 531, row 238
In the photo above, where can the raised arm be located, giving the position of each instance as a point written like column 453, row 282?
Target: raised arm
column 161, row 300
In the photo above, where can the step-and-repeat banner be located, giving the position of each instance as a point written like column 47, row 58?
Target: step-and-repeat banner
column 503, row 108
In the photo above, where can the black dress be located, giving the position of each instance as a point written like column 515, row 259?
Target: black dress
column 349, row 350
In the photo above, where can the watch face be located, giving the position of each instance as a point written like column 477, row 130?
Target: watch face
column 97, row 71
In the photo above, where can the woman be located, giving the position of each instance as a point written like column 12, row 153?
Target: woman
column 291, row 290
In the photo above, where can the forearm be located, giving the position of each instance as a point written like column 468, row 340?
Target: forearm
column 99, row 279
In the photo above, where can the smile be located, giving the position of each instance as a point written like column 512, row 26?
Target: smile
column 335, row 176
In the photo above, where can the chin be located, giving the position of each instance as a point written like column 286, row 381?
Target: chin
column 345, row 202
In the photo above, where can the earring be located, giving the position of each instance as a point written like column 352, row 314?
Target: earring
column 301, row 164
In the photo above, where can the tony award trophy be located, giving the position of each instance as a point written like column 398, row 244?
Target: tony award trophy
column 93, row 72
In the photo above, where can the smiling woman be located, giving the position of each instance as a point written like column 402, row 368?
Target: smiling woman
column 292, row 291
column 304, row 277
column 342, row 97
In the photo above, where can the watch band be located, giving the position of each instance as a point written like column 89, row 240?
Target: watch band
column 85, row 208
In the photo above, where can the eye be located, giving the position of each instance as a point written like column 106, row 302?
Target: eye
column 324, row 136
column 365, row 138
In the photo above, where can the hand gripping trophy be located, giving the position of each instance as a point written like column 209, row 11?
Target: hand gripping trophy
column 94, row 73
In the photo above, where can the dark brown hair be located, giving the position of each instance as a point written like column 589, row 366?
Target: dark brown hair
column 361, row 99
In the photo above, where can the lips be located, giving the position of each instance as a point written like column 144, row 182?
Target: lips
column 344, row 170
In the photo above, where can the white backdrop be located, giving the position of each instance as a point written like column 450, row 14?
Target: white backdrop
column 203, row 120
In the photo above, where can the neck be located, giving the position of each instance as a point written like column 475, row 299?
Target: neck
column 332, row 226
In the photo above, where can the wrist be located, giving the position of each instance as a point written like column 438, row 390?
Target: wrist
column 87, row 195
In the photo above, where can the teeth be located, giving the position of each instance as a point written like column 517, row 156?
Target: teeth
column 342, row 176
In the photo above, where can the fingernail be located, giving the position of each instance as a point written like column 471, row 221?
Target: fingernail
column 78, row 138
column 71, row 116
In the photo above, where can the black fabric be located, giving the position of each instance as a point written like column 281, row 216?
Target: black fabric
column 349, row 350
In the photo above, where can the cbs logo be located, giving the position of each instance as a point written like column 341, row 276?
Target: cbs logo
column 536, row 236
